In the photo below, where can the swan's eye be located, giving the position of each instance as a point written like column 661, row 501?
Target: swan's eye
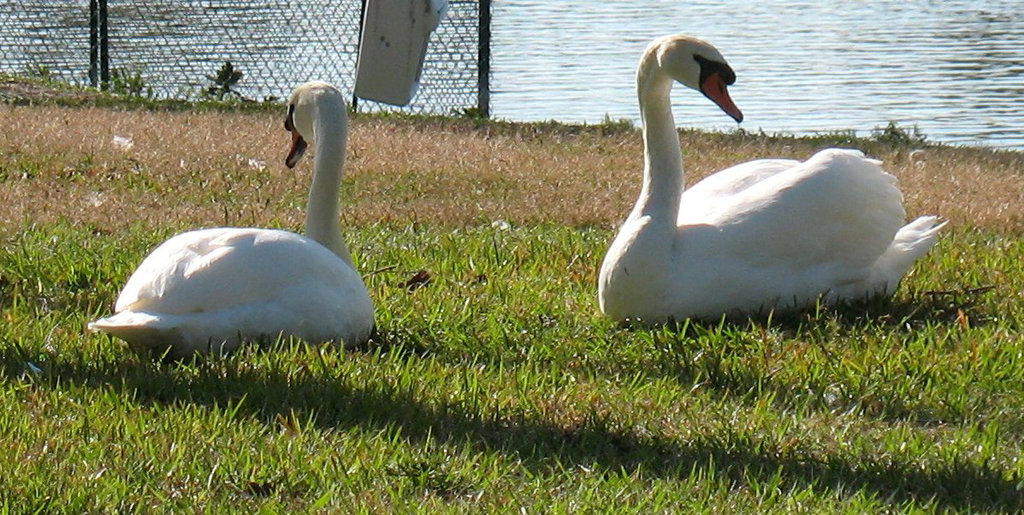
column 709, row 67
column 289, row 123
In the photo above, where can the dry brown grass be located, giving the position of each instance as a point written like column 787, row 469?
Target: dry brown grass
column 200, row 169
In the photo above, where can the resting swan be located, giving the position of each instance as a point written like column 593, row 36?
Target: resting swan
column 209, row 290
column 764, row 235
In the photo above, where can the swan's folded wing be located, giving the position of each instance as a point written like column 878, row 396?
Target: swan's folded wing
column 836, row 208
column 219, row 268
column 717, row 190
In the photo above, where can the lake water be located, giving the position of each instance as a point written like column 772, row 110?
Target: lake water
column 953, row 68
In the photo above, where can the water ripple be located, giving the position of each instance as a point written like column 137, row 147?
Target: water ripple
column 955, row 69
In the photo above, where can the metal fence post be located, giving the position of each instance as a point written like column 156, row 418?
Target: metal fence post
column 94, row 43
column 483, row 77
column 359, row 41
column 99, row 55
column 104, row 47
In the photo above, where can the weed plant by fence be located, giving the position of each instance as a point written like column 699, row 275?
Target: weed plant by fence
column 180, row 49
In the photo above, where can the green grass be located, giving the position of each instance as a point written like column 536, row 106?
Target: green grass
column 496, row 386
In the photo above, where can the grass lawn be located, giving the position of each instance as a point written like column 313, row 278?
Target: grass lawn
column 493, row 384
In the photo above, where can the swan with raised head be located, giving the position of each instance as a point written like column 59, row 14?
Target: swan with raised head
column 764, row 235
column 209, row 290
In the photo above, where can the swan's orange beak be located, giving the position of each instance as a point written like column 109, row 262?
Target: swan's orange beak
column 715, row 88
column 298, row 144
column 298, row 148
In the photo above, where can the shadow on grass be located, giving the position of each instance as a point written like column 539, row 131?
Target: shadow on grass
column 930, row 307
column 729, row 357
column 336, row 401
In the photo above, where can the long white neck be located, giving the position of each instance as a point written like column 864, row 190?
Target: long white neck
column 329, row 134
column 663, row 161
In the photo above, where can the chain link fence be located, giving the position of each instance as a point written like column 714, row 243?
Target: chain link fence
column 175, row 48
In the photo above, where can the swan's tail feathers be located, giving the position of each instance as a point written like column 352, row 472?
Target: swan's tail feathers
column 918, row 236
column 910, row 243
column 144, row 332
column 126, row 323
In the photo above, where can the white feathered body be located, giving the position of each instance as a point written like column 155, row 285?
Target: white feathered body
column 766, row 235
column 209, row 290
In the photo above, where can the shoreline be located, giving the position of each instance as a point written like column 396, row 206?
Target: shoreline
column 22, row 91
column 105, row 160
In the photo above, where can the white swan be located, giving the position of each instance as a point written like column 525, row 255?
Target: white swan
column 763, row 235
column 209, row 290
